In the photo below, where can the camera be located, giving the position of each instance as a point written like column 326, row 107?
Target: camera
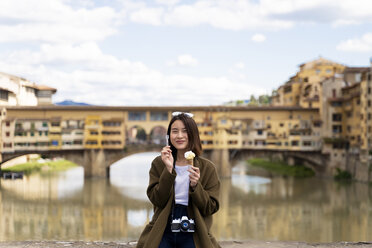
column 183, row 225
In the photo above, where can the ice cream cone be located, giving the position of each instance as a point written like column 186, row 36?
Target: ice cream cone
column 190, row 157
column 190, row 162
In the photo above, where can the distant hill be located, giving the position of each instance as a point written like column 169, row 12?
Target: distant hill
column 71, row 103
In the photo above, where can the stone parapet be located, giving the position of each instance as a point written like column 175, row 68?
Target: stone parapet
column 224, row 244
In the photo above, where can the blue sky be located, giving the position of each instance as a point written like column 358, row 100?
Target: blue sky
column 173, row 52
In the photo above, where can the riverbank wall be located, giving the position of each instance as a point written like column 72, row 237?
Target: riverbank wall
column 224, row 244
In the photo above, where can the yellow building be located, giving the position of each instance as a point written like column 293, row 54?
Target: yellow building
column 304, row 89
column 93, row 132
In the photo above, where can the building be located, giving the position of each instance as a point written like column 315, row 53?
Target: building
column 17, row 91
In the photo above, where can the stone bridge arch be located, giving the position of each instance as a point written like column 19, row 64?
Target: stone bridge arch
column 313, row 160
column 96, row 162
column 148, row 128
column 158, row 135
column 136, row 134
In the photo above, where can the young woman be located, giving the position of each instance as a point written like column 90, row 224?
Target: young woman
column 178, row 190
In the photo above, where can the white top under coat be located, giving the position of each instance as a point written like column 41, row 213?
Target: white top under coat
column 182, row 184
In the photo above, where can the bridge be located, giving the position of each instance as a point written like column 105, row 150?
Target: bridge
column 96, row 136
column 96, row 162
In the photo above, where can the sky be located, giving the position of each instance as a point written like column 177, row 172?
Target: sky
column 174, row 52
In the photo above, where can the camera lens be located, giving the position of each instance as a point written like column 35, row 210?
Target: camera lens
column 185, row 225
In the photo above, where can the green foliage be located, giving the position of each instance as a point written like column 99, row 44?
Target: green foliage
column 329, row 140
column 262, row 100
column 342, row 175
column 32, row 167
column 281, row 168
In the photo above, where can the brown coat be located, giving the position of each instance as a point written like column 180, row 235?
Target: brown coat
column 203, row 202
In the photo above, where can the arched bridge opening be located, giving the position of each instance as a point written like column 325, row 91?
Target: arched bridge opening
column 96, row 162
column 313, row 160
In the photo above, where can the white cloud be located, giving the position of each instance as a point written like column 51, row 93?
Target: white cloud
column 363, row 44
column 187, row 60
column 103, row 79
column 183, row 60
column 55, row 21
column 167, row 2
column 239, row 65
column 258, row 38
column 264, row 14
column 151, row 16
column 234, row 15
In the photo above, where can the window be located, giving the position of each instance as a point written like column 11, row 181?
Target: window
column 333, row 92
column 328, row 71
column 358, row 77
column 78, row 142
column 45, row 124
column 337, row 117
column 317, row 71
column 294, row 143
column 336, row 104
column 159, row 116
column 54, row 143
column 8, row 145
column 260, row 142
column 4, row 95
column 92, row 142
column 136, row 116
column 288, row 89
column 307, row 143
column 337, row 129
column 111, row 123
column 55, row 124
column 259, row 132
column 348, row 128
column 7, row 134
column 8, row 124
column 30, row 90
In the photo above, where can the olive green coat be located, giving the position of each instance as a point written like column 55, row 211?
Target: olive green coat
column 203, row 202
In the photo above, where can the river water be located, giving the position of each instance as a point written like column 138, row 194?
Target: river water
column 64, row 206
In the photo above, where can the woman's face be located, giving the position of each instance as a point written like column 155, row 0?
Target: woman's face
column 178, row 135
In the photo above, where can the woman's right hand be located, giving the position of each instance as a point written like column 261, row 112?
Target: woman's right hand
column 167, row 157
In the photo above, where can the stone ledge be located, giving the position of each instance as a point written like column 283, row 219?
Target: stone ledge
column 224, row 244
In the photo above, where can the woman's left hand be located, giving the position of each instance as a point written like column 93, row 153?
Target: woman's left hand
column 194, row 176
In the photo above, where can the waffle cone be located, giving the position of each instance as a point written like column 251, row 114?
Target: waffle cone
column 190, row 162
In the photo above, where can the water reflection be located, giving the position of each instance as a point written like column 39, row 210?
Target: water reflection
column 63, row 206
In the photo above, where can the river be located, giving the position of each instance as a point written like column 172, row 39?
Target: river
column 64, row 206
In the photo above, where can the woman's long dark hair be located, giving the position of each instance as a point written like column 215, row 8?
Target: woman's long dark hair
column 192, row 130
